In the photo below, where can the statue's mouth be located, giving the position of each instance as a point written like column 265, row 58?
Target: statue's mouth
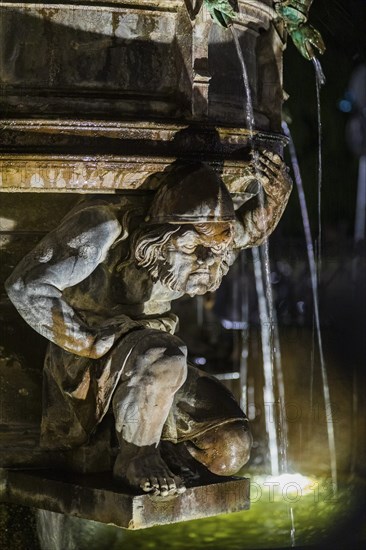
column 201, row 272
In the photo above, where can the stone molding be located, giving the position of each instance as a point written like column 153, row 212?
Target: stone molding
column 105, row 174
column 159, row 131
column 102, row 173
column 120, row 5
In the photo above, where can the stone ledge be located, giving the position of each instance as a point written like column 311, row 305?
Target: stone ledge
column 121, row 5
column 27, row 164
column 30, row 132
column 42, row 173
column 96, row 498
column 122, row 129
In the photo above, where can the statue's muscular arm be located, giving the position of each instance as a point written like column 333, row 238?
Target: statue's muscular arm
column 64, row 258
column 258, row 217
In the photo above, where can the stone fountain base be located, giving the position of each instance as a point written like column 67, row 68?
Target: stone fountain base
column 95, row 497
column 79, row 482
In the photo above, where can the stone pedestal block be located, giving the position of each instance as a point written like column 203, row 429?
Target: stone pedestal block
column 96, row 498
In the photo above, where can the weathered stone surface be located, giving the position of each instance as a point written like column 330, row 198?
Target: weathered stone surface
column 21, row 402
column 98, row 176
column 127, row 137
column 96, row 498
column 111, row 93
column 13, row 246
column 225, row 150
column 71, row 57
column 138, row 59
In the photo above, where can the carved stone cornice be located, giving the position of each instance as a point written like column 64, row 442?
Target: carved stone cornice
column 38, row 173
column 101, row 174
column 154, row 5
column 36, row 134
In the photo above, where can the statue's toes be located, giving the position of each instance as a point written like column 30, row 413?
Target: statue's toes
column 155, row 483
column 164, row 487
column 146, row 486
column 180, row 487
column 172, row 487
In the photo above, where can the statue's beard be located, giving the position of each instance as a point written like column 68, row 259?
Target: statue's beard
column 164, row 272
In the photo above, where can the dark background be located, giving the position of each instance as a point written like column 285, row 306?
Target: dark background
column 342, row 24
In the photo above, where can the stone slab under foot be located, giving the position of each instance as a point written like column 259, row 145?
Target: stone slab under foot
column 95, row 497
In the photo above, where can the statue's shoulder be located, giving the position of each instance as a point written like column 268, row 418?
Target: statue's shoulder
column 103, row 219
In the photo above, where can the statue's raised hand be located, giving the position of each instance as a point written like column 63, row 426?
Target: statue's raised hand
column 272, row 173
column 221, row 11
column 259, row 216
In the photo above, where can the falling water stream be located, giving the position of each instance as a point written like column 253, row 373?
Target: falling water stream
column 263, row 287
column 266, row 314
column 244, row 354
column 267, row 353
column 319, row 82
column 283, row 434
column 314, row 286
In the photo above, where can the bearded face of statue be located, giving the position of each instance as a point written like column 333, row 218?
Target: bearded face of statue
column 194, row 258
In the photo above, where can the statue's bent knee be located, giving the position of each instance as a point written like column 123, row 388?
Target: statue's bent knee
column 168, row 365
column 158, row 358
column 223, row 450
column 238, row 455
column 232, row 457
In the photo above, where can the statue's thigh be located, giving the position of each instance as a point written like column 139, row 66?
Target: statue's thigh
column 150, row 351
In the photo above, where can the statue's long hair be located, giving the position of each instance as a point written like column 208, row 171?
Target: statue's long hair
column 146, row 243
column 147, row 246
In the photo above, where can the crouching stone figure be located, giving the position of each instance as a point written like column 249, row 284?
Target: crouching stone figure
column 99, row 288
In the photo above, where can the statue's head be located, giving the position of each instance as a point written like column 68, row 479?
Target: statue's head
column 187, row 240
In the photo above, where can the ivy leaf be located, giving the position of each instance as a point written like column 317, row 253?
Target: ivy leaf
column 221, row 11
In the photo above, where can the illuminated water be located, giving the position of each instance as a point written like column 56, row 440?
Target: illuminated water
column 244, row 352
column 270, row 349
column 263, row 288
column 314, row 286
column 268, row 389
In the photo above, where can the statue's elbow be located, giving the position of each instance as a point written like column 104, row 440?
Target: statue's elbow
column 18, row 292
column 15, row 290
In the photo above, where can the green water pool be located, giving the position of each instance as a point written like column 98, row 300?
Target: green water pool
column 319, row 516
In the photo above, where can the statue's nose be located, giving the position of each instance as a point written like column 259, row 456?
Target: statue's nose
column 204, row 255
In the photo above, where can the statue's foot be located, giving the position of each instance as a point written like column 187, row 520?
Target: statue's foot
column 180, row 461
column 143, row 468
